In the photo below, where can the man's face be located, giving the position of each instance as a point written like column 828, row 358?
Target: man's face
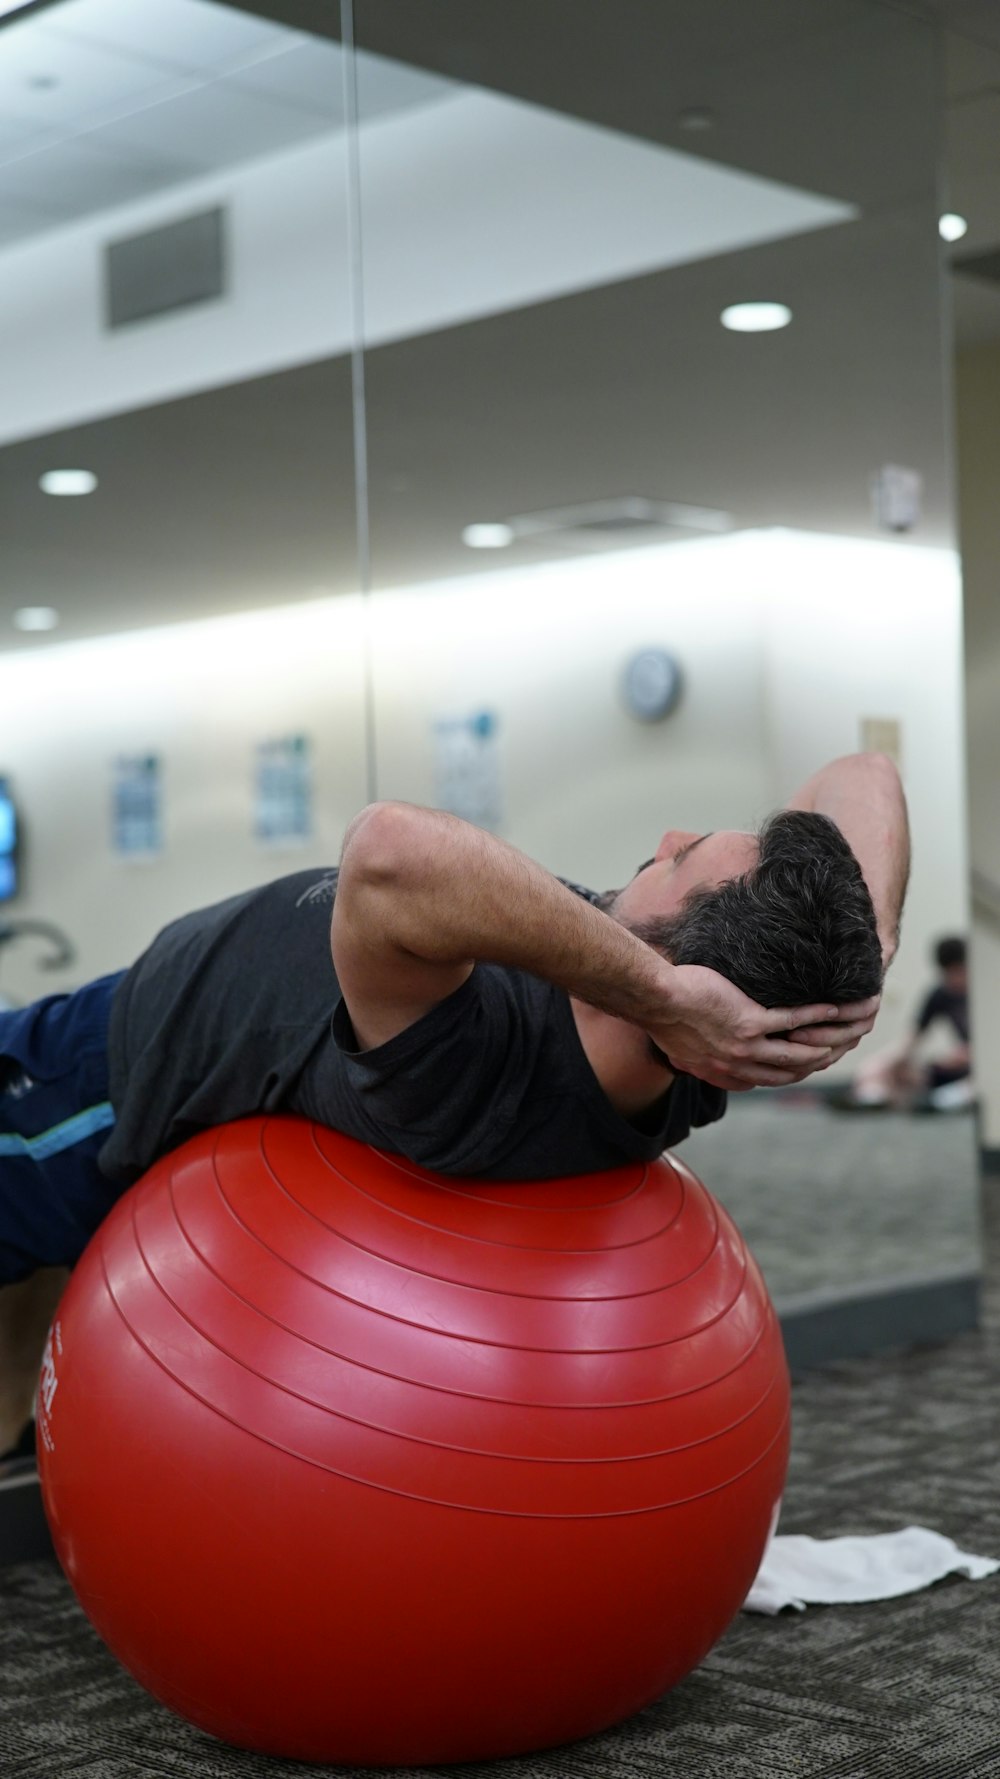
column 684, row 862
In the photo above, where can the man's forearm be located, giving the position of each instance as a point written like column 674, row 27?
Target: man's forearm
column 423, row 897
column 863, row 794
column 447, row 892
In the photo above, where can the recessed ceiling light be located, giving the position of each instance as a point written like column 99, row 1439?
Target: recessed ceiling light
column 755, row 318
column 492, row 536
column 68, row 481
column 36, row 617
column 951, row 226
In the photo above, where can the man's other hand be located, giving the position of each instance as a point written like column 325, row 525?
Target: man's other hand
column 720, row 1035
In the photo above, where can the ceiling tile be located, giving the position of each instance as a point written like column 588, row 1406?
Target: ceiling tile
column 73, row 179
column 17, row 224
column 215, row 126
column 190, row 34
column 308, row 76
column 19, row 136
column 387, row 87
column 85, row 79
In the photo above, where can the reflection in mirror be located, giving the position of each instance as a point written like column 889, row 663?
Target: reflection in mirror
column 578, row 455
column 181, row 628
column 180, row 625
column 181, row 631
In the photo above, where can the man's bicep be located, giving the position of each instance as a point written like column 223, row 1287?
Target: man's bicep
column 385, row 988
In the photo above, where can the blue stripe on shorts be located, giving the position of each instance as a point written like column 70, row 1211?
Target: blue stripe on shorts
column 63, row 1136
column 54, row 1117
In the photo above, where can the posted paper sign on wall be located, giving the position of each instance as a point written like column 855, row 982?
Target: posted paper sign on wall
column 283, row 811
column 467, row 768
column 137, row 806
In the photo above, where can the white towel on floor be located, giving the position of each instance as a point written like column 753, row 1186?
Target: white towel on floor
column 801, row 1572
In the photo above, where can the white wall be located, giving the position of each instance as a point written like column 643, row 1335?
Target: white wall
column 201, row 695
column 860, row 630
column 587, row 789
column 787, row 642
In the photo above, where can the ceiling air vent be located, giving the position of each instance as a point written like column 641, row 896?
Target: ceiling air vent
column 626, row 516
column 165, row 269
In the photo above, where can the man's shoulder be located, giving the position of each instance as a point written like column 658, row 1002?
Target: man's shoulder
column 308, row 889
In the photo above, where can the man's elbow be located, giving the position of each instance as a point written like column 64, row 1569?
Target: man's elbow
column 379, row 843
column 880, row 762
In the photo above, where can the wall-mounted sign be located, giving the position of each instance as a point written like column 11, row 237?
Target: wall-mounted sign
column 283, row 796
column 137, row 806
column 882, row 735
column 8, row 843
column 467, row 767
column 897, row 496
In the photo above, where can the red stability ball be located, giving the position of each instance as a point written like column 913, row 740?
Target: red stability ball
column 349, row 1462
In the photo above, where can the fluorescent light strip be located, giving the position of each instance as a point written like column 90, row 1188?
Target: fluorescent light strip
column 68, row 481
column 36, row 617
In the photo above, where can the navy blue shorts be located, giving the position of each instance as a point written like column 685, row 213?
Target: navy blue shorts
column 54, row 1119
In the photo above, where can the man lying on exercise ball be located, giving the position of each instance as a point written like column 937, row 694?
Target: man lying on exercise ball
column 444, row 997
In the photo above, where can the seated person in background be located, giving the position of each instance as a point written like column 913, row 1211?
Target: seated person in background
column 931, row 1069
column 446, row 998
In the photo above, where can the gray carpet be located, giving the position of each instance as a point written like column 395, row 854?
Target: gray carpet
column 832, row 1200
column 885, row 1691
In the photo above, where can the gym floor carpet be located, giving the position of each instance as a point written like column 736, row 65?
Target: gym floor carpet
column 890, row 1690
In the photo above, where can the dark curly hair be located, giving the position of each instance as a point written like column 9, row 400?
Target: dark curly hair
column 949, row 952
column 798, row 927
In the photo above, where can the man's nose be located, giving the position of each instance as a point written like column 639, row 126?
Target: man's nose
column 673, row 842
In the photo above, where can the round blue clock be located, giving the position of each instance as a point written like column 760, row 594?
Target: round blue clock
column 652, row 684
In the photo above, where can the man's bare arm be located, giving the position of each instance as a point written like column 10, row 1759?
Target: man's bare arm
column 863, row 794
column 422, row 897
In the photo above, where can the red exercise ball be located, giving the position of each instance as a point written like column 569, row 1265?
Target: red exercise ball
column 350, row 1462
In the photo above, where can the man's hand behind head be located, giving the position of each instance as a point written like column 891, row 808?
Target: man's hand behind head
column 717, row 1033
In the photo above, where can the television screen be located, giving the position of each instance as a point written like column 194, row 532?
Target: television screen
column 8, row 844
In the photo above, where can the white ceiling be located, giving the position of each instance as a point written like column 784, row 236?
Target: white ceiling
column 103, row 102
column 474, row 202
column 243, row 495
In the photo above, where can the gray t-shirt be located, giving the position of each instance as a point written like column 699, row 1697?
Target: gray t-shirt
column 236, row 1010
